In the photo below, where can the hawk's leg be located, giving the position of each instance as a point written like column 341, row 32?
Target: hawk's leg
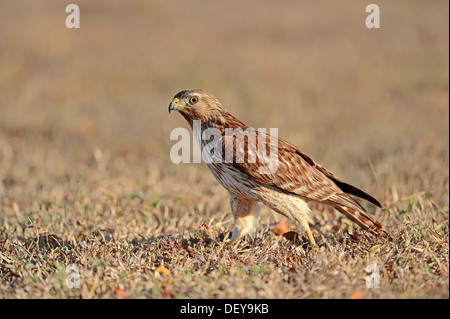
column 292, row 207
column 304, row 223
column 244, row 221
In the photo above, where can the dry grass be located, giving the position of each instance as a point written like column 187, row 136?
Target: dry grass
column 85, row 174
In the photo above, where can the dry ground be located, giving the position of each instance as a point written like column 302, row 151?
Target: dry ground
column 85, row 173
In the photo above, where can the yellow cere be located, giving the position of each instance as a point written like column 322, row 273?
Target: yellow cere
column 176, row 100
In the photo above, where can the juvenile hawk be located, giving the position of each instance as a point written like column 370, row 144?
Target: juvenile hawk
column 285, row 183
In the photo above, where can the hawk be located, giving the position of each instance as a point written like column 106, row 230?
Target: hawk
column 238, row 158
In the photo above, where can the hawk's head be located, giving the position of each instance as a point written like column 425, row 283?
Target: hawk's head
column 196, row 104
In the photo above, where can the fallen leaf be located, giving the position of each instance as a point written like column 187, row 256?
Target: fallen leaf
column 162, row 270
column 356, row 294
column 120, row 293
column 281, row 228
column 169, row 293
column 291, row 235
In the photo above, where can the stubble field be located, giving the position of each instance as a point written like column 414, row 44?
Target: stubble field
column 87, row 186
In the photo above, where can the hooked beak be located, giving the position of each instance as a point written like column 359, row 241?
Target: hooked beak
column 174, row 105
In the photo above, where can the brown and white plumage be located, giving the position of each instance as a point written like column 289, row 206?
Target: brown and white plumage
column 296, row 180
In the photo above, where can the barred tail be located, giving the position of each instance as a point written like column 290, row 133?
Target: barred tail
column 363, row 219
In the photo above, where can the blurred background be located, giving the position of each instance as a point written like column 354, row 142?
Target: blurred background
column 85, row 172
column 86, row 109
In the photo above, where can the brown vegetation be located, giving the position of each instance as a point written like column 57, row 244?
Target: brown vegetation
column 85, row 173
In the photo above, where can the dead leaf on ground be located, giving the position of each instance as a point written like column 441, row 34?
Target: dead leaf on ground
column 291, row 235
column 120, row 293
column 169, row 293
column 281, row 228
column 356, row 294
column 162, row 270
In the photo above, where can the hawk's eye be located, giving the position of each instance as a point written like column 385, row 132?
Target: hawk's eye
column 193, row 100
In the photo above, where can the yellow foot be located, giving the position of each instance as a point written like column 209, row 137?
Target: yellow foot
column 312, row 241
column 234, row 241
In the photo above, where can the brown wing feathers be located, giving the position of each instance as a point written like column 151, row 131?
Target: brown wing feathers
column 347, row 188
column 346, row 205
column 311, row 180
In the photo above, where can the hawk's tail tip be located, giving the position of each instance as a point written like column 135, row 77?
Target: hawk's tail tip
column 367, row 222
column 378, row 230
column 386, row 234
